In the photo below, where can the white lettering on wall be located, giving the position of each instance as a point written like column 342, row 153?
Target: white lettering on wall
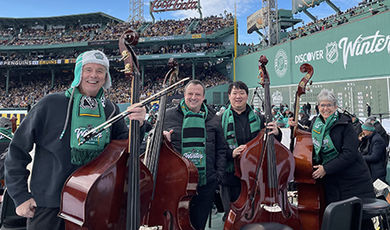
column 364, row 45
column 309, row 56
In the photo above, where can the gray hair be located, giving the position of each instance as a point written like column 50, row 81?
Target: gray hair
column 326, row 95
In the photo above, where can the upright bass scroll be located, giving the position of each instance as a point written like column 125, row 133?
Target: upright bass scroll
column 308, row 69
column 310, row 193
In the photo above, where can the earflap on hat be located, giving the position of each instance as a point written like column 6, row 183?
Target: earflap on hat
column 93, row 56
column 107, row 84
column 77, row 71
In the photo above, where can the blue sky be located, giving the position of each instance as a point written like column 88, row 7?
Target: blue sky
column 120, row 9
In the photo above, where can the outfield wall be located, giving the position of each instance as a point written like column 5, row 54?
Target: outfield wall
column 352, row 59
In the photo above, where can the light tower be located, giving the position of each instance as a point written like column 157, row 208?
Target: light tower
column 271, row 21
column 136, row 10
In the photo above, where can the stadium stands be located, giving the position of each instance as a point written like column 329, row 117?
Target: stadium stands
column 58, row 41
column 364, row 9
column 31, row 89
column 60, row 33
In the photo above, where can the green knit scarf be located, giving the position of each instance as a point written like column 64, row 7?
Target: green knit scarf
column 322, row 141
column 6, row 132
column 229, row 130
column 193, row 139
column 87, row 113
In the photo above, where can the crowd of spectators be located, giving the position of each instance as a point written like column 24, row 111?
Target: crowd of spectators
column 167, row 28
column 29, row 90
column 40, row 35
column 214, row 23
column 37, row 56
column 22, row 94
column 114, row 52
column 30, row 87
column 364, row 7
column 113, row 31
column 180, row 48
column 59, row 34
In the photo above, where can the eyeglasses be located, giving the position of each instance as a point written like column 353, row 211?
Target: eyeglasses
column 325, row 105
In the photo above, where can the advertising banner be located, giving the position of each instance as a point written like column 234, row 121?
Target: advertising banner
column 255, row 21
column 171, row 5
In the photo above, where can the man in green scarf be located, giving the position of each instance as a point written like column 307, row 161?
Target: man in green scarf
column 55, row 126
column 240, row 124
column 195, row 131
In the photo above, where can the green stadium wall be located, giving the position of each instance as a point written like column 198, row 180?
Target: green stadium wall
column 352, row 59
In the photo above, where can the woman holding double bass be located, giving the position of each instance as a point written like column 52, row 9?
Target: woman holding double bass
column 336, row 160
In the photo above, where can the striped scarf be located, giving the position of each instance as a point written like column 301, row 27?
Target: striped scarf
column 87, row 113
column 230, row 132
column 193, row 139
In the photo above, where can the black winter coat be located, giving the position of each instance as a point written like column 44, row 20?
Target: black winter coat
column 373, row 150
column 215, row 146
column 347, row 175
column 52, row 166
column 242, row 123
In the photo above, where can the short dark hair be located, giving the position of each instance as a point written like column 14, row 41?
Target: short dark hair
column 195, row 82
column 238, row 85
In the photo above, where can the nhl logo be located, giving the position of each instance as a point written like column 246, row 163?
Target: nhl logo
column 332, row 53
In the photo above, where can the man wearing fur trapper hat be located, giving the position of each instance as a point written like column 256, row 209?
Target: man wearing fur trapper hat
column 54, row 125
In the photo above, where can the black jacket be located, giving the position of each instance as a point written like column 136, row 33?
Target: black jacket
column 42, row 127
column 382, row 132
column 347, row 175
column 357, row 126
column 243, row 135
column 215, row 146
column 373, row 150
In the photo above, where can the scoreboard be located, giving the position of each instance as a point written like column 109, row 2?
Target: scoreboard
column 352, row 95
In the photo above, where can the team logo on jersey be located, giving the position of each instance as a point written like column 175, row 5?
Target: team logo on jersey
column 280, row 63
column 332, row 52
column 88, row 103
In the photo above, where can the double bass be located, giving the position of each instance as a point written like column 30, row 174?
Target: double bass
column 94, row 196
column 310, row 194
column 175, row 177
column 265, row 168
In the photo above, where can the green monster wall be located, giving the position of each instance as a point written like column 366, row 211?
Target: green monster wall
column 352, row 59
